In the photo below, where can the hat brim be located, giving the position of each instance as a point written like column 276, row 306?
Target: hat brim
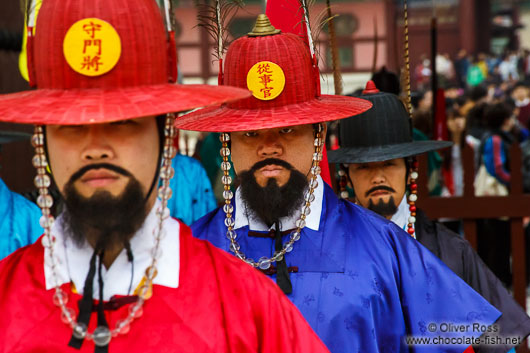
column 384, row 153
column 100, row 105
column 12, row 136
column 226, row 119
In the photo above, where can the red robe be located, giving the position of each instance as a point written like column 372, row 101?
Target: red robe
column 221, row 305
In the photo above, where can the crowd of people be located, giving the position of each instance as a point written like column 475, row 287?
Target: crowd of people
column 469, row 70
column 487, row 100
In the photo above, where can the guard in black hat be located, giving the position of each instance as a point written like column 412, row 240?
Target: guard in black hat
column 377, row 155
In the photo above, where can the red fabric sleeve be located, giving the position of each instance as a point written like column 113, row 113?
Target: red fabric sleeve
column 497, row 160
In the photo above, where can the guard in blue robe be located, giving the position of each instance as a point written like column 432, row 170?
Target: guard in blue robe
column 362, row 283
column 19, row 221
column 19, row 217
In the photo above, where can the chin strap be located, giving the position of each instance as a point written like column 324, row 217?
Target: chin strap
column 102, row 320
column 282, row 273
column 86, row 303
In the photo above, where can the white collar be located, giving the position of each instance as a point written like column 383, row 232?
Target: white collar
column 73, row 261
column 401, row 217
column 244, row 216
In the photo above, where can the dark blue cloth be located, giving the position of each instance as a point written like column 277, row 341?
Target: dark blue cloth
column 19, row 221
column 363, row 284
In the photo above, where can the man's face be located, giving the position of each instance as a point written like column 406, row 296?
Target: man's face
column 131, row 145
column 273, row 167
column 520, row 93
column 378, row 185
column 293, row 145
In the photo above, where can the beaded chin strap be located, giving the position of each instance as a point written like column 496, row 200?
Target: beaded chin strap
column 265, row 262
column 413, row 197
column 343, row 183
column 102, row 334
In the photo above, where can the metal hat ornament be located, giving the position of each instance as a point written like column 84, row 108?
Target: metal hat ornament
column 382, row 133
column 102, row 61
column 277, row 67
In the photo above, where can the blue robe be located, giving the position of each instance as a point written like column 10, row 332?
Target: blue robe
column 192, row 192
column 19, row 221
column 364, row 284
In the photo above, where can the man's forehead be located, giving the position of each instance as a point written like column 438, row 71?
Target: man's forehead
column 395, row 160
column 111, row 122
column 297, row 127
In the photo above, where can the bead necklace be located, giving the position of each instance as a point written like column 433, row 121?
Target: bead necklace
column 102, row 335
column 413, row 197
column 265, row 262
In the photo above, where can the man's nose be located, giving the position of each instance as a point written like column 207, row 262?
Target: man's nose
column 270, row 146
column 97, row 146
column 378, row 176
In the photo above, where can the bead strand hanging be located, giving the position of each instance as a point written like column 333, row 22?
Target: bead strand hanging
column 343, row 183
column 265, row 262
column 413, row 197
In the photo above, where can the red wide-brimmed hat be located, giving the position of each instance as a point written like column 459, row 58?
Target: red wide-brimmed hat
column 101, row 61
column 278, row 69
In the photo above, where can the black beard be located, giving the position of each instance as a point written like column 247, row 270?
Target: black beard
column 272, row 202
column 109, row 220
column 382, row 208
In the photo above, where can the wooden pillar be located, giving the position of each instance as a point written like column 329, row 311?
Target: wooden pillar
column 206, row 52
column 392, row 32
column 468, row 25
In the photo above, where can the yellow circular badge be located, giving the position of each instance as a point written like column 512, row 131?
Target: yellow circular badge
column 92, row 47
column 266, row 80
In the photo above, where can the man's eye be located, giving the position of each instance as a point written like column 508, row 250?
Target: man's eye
column 251, row 134
column 361, row 166
column 286, row 130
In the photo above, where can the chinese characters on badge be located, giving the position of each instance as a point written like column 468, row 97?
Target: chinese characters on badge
column 92, row 47
column 266, row 80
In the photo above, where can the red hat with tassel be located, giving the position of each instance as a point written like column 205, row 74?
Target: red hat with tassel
column 100, row 61
column 283, row 76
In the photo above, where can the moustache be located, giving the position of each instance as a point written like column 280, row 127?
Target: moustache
column 380, row 187
column 78, row 174
column 271, row 161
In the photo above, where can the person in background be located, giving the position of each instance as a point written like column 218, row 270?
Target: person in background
column 494, row 241
column 192, row 192
column 520, row 93
column 475, row 73
column 461, row 65
column 19, row 217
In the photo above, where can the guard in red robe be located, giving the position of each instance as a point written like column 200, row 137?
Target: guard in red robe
column 203, row 300
column 114, row 273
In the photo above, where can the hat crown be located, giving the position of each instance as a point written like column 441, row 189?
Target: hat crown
column 387, row 123
column 286, row 50
column 139, row 26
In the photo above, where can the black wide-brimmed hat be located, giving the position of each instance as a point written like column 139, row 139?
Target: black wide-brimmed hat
column 379, row 134
column 12, row 136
